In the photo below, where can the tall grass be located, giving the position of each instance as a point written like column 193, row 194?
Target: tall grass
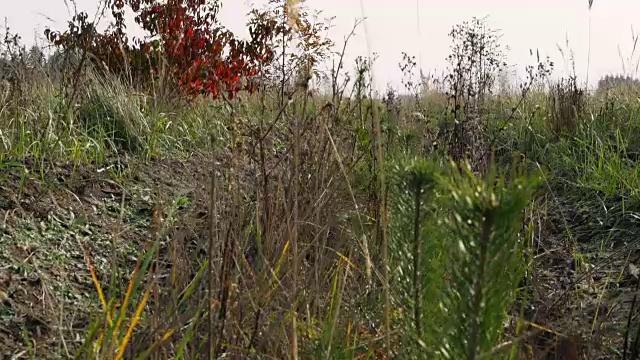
column 338, row 227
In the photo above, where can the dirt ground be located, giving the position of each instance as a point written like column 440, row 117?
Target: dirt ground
column 50, row 221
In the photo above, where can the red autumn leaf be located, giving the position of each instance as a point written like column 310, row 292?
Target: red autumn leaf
column 187, row 39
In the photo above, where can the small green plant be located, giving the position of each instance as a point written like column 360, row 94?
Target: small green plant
column 416, row 253
column 420, row 180
column 485, row 257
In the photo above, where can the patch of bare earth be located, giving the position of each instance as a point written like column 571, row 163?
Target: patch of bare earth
column 581, row 289
column 51, row 224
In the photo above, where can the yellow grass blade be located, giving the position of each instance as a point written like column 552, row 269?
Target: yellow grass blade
column 96, row 283
column 346, row 260
column 543, row 328
column 125, row 304
column 282, row 255
column 167, row 335
column 276, row 271
column 98, row 343
column 145, row 354
column 134, row 322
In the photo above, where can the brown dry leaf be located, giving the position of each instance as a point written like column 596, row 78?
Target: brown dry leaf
column 4, row 297
column 294, row 12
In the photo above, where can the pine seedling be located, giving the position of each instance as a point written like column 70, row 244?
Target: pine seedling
column 485, row 258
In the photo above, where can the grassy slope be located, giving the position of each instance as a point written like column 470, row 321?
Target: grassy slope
column 49, row 225
column 68, row 190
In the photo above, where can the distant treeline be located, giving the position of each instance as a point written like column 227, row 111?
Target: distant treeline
column 613, row 81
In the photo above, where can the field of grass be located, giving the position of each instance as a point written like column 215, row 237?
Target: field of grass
column 328, row 225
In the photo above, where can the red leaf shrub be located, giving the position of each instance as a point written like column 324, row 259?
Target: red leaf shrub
column 184, row 39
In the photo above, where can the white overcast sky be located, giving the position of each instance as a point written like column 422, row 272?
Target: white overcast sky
column 393, row 28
